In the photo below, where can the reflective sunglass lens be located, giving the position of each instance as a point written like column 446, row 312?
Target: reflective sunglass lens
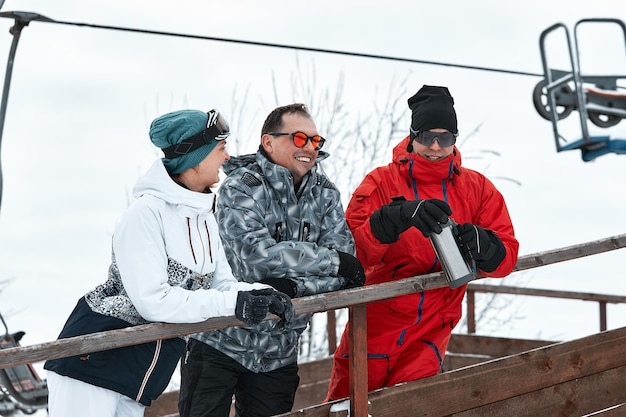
column 222, row 124
column 445, row 139
column 300, row 139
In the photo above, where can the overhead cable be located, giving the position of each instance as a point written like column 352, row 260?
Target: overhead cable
column 282, row 46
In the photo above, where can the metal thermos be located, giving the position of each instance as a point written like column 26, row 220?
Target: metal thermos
column 456, row 269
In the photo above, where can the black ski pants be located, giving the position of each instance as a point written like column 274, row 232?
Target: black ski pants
column 209, row 379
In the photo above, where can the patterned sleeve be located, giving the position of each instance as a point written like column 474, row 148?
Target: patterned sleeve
column 335, row 234
column 255, row 254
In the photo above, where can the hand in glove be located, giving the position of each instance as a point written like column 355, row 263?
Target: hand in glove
column 351, row 269
column 481, row 245
column 284, row 285
column 253, row 306
column 392, row 219
column 283, row 308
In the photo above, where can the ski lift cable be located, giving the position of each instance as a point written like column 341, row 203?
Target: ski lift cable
column 274, row 45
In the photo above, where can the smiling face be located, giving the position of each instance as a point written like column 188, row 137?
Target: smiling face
column 434, row 152
column 206, row 173
column 208, row 169
column 282, row 150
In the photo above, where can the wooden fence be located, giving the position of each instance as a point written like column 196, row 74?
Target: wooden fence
column 463, row 350
column 601, row 299
column 583, row 377
column 355, row 299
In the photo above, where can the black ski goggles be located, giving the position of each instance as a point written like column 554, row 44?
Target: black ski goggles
column 427, row 138
column 216, row 129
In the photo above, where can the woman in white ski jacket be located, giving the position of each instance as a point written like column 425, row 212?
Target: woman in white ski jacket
column 168, row 265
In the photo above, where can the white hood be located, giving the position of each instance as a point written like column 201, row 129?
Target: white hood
column 158, row 183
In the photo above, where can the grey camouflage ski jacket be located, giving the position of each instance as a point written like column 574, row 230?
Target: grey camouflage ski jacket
column 270, row 231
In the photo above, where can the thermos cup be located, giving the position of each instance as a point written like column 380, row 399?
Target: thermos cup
column 456, row 269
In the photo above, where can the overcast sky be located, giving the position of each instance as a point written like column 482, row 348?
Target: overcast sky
column 81, row 101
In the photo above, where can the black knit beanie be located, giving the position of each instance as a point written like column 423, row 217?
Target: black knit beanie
column 432, row 107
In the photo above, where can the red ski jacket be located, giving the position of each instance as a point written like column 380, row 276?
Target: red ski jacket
column 472, row 198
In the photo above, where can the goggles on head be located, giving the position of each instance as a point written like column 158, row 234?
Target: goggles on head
column 216, row 129
column 300, row 139
column 427, row 138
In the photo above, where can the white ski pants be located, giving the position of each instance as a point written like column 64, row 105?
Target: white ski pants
column 69, row 397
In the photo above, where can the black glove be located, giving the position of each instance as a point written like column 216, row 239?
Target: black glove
column 284, row 285
column 392, row 219
column 253, row 306
column 481, row 245
column 281, row 306
column 351, row 269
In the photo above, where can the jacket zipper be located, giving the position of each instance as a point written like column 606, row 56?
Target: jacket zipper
column 157, row 352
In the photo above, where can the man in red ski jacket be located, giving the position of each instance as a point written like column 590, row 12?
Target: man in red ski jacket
column 390, row 214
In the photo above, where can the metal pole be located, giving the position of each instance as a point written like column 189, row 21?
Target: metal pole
column 21, row 19
column 15, row 30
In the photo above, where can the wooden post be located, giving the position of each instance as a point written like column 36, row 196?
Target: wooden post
column 358, row 361
column 331, row 328
column 471, row 306
column 602, row 305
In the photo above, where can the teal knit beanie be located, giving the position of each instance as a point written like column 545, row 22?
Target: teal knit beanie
column 172, row 128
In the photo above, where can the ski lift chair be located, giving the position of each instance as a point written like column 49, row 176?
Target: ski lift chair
column 595, row 97
column 20, row 386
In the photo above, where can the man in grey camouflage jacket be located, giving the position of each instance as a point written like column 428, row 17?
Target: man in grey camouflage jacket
column 282, row 223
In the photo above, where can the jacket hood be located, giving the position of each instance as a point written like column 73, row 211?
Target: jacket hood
column 158, row 183
column 412, row 165
column 237, row 162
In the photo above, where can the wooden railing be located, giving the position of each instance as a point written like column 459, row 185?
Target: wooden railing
column 581, row 377
column 355, row 299
column 601, row 299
